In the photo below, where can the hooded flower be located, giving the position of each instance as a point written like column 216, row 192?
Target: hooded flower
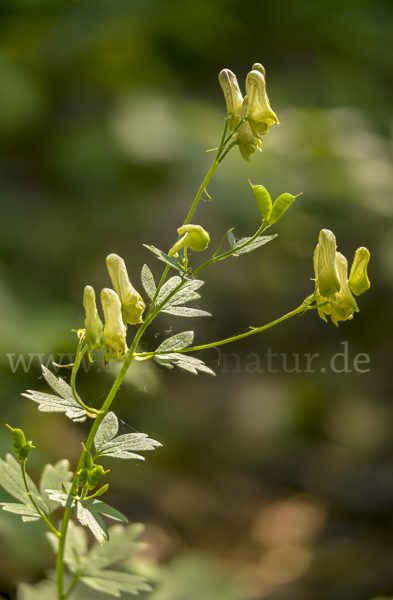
column 114, row 330
column 94, row 328
column 194, row 237
column 233, row 96
column 132, row 305
column 259, row 113
column 358, row 279
column 332, row 288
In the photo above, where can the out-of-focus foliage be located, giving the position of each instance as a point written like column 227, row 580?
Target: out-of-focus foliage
column 283, row 473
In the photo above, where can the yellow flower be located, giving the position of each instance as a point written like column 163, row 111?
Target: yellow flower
column 194, row 237
column 114, row 330
column 343, row 304
column 94, row 328
column 358, row 279
column 259, row 113
column 233, row 96
column 132, row 304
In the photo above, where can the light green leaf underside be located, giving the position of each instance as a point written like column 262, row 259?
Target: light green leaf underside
column 115, row 582
column 183, row 311
column 123, row 446
column 64, row 402
column 26, row 512
column 53, row 477
column 172, row 262
column 89, row 512
column 12, row 481
column 148, row 282
column 120, row 545
column 259, row 241
column 182, row 361
column 177, row 342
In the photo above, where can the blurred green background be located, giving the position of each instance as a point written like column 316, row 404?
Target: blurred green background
column 274, row 485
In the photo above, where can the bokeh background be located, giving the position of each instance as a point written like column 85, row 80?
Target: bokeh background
column 270, row 483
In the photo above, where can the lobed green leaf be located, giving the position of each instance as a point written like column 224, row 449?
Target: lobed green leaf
column 183, row 361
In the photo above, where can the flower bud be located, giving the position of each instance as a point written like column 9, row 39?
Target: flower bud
column 194, row 237
column 21, row 447
column 114, row 330
column 281, row 205
column 263, row 199
column 93, row 324
column 326, row 275
column 132, row 305
column 94, row 477
column 358, row 279
column 343, row 304
column 259, row 114
column 233, row 96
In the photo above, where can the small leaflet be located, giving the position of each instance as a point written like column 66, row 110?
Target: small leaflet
column 64, row 403
column 184, row 311
column 259, row 241
column 172, row 262
column 182, row 361
column 12, row 481
column 231, row 238
column 177, row 342
column 123, row 446
column 148, row 282
column 27, row 513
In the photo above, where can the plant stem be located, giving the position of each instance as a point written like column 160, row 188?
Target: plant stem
column 39, row 511
column 299, row 310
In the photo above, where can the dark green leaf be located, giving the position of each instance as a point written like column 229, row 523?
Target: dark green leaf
column 172, row 262
column 259, row 241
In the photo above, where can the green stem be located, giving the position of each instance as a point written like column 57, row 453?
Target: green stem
column 202, row 188
column 71, row 588
column 299, row 310
column 39, row 511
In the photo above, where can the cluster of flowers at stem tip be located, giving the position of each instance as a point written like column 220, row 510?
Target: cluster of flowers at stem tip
column 333, row 288
column 122, row 306
column 253, row 112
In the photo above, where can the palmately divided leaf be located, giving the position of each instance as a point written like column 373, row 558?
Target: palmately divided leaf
column 75, row 546
column 28, row 513
column 115, row 582
column 12, row 481
column 54, row 477
column 184, row 311
column 177, row 342
column 167, row 288
column 148, row 282
column 120, row 545
column 60, row 497
column 106, row 431
column 172, row 262
column 124, row 446
column 183, row 361
column 259, row 241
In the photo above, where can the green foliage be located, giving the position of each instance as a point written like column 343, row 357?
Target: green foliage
column 256, row 243
column 65, row 402
column 123, row 446
column 169, row 260
column 12, row 481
